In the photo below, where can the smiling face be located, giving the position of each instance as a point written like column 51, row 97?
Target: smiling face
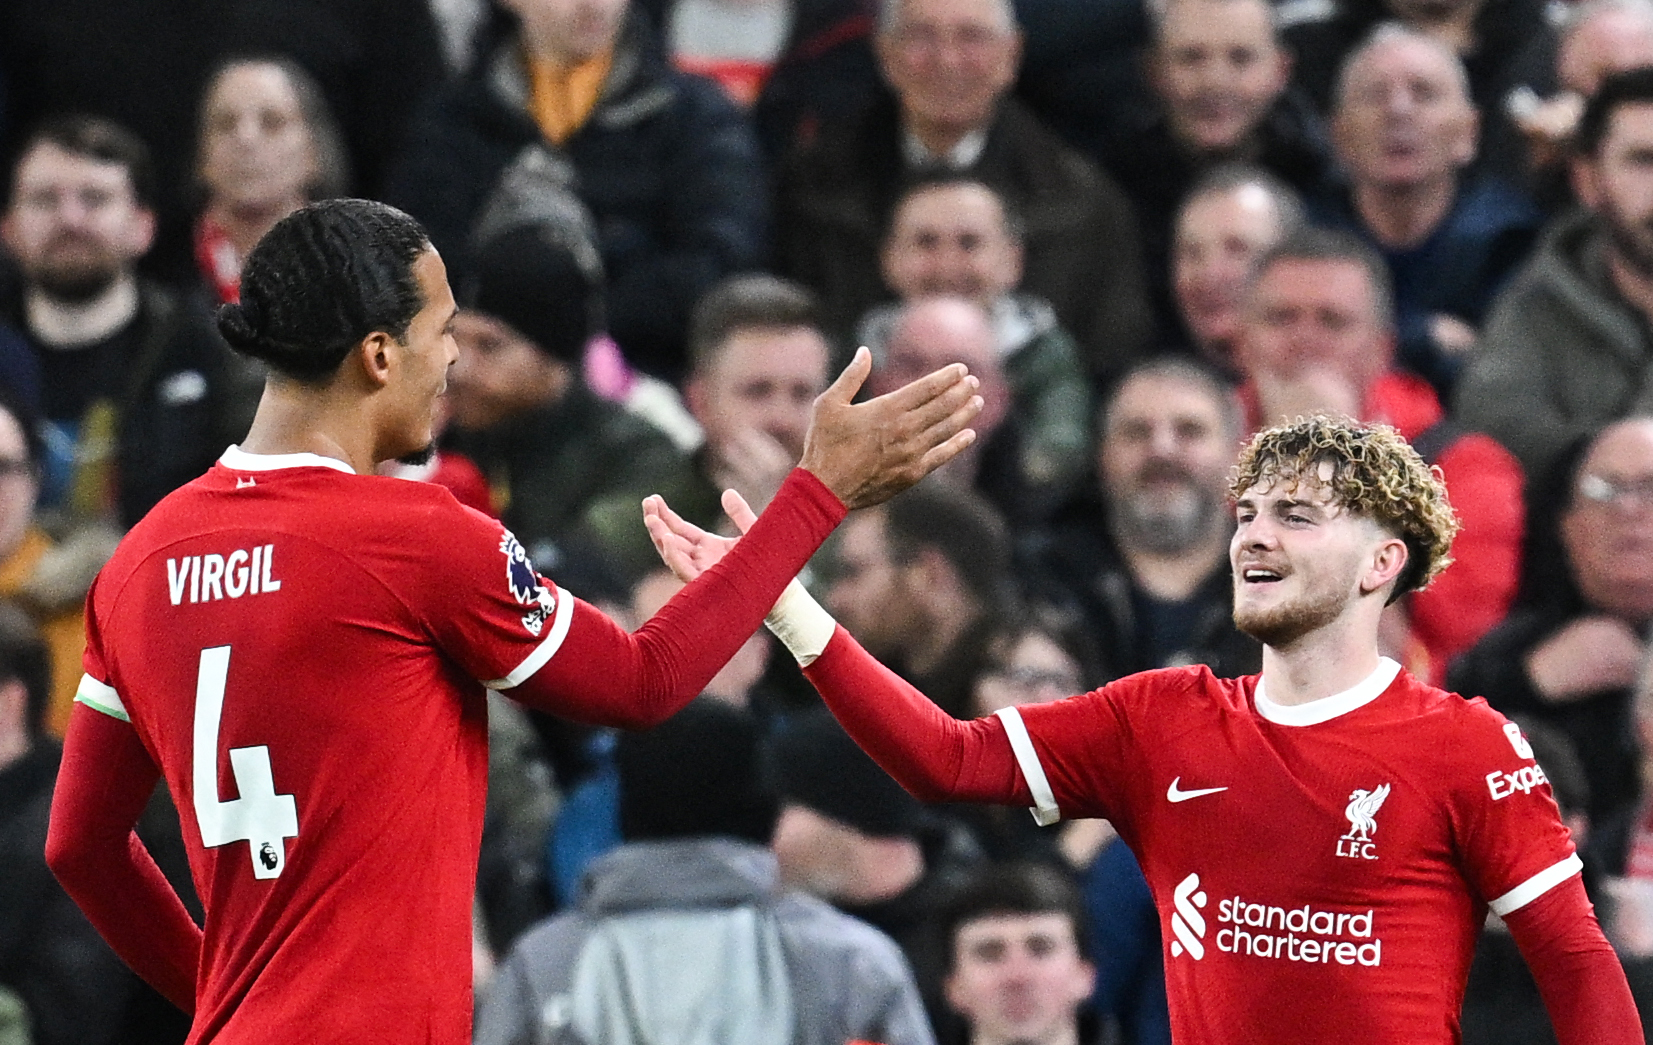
column 1301, row 559
column 1218, row 70
column 427, row 350
column 1314, row 314
column 952, row 239
column 1218, row 237
column 949, row 61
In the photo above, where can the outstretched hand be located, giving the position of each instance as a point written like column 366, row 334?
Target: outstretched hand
column 866, row 453
column 686, row 549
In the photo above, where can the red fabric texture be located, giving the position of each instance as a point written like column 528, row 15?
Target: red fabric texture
column 1577, row 973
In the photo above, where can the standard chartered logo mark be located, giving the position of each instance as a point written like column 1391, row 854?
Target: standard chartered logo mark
column 1187, row 923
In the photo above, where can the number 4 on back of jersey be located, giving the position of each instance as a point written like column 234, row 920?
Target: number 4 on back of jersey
column 262, row 818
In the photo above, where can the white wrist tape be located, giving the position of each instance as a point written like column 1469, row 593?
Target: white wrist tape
column 803, row 627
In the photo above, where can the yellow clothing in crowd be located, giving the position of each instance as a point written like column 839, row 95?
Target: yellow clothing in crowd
column 63, row 628
column 562, row 97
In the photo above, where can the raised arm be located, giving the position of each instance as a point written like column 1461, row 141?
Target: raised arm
column 855, row 455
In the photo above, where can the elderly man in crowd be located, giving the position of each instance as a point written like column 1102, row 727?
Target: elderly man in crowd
column 950, row 65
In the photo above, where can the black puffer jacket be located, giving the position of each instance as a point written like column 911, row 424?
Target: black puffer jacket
column 668, row 167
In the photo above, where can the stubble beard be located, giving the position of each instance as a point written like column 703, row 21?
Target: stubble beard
column 1166, row 526
column 1281, row 626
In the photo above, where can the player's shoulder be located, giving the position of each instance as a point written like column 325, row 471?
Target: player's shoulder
column 1170, row 687
column 1462, row 727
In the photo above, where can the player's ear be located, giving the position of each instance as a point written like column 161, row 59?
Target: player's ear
column 375, row 354
column 1388, row 560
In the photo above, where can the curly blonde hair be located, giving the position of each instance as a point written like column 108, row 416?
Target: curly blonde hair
column 1375, row 473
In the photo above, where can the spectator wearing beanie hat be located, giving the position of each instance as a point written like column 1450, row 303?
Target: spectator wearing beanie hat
column 566, row 468
column 850, row 835
column 685, row 932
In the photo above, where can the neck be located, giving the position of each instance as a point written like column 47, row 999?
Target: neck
column 69, row 325
column 14, row 744
column 1066, row 1034
column 939, row 636
column 1456, row 29
column 1404, row 216
column 938, row 139
column 294, row 418
column 546, row 47
column 1328, row 660
column 245, row 224
column 1175, row 576
column 1632, row 281
column 882, row 869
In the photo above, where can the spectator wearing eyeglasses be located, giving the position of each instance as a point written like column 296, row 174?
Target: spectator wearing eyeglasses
column 1572, row 657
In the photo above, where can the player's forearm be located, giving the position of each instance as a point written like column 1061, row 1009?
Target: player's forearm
column 604, row 676
column 1577, row 973
column 103, row 784
column 933, row 755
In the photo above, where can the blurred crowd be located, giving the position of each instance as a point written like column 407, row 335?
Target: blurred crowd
column 1149, row 227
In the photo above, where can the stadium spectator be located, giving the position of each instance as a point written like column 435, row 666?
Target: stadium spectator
column 38, row 573
column 266, row 144
column 1404, row 130
column 1573, row 656
column 923, row 581
column 1599, row 37
column 1566, row 345
column 951, row 235
column 1003, row 465
column 73, row 987
column 849, row 835
column 950, row 65
column 567, row 468
column 756, row 362
column 1334, row 520
column 666, row 164
column 376, row 594
column 1230, row 216
column 1144, row 557
column 1018, row 970
column 139, row 394
column 685, row 931
column 1507, row 48
column 1218, row 77
column 1318, row 336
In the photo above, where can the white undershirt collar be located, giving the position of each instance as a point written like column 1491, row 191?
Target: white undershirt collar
column 963, row 155
column 241, row 461
column 1327, row 708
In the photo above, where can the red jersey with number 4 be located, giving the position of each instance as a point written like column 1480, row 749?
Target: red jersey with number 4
column 1321, row 871
column 301, row 660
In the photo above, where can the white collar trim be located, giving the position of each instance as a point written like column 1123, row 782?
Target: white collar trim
column 1327, row 708
column 240, row 460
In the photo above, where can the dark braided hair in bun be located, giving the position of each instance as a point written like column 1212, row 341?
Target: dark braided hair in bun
column 325, row 277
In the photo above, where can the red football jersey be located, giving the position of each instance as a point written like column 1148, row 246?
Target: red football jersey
column 301, row 660
column 1321, row 871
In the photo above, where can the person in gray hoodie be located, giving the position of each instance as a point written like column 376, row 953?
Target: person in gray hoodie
column 684, row 933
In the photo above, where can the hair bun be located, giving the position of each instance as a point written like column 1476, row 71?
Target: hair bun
column 239, row 324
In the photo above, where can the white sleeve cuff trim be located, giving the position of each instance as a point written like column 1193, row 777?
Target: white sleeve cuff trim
column 545, row 650
column 801, row 624
column 1536, row 886
column 100, row 696
column 1045, row 811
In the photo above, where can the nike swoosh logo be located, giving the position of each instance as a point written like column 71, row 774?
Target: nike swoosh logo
column 1176, row 794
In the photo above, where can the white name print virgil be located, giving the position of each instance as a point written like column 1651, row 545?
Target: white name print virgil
column 203, row 578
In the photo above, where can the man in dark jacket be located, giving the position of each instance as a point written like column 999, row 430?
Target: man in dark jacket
column 1147, row 564
column 668, row 167
column 138, row 392
column 73, row 987
column 950, row 67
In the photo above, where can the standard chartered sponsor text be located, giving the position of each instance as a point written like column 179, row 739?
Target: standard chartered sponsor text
column 1297, row 934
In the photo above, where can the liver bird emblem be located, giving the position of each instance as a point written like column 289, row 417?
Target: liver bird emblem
column 1362, row 811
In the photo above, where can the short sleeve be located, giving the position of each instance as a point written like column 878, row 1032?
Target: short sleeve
column 486, row 606
column 1511, row 842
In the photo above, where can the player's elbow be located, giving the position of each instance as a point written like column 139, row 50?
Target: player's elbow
column 70, row 855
